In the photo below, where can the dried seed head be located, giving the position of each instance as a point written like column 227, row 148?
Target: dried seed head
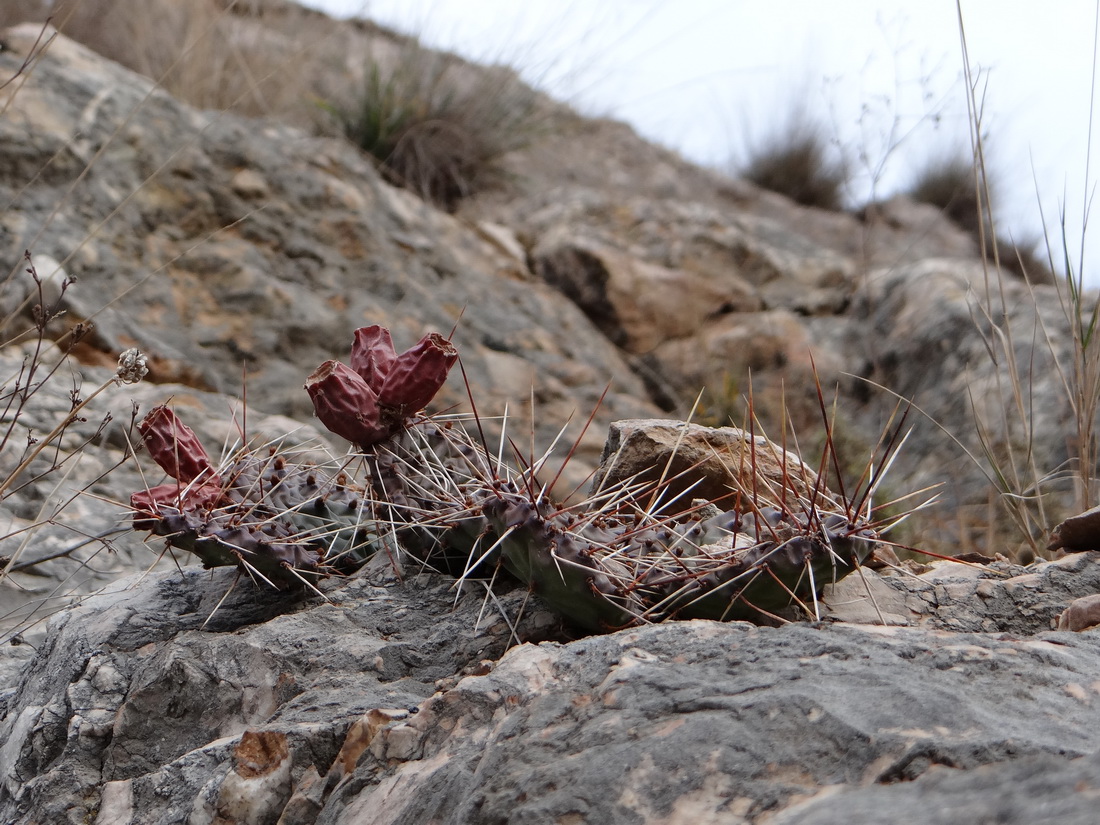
column 132, row 367
column 175, row 447
column 346, row 404
column 373, row 355
column 418, row 374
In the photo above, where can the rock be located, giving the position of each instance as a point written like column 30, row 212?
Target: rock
column 997, row 598
column 1077, row 533
column 1032, row 789
column 257, row 788
column 162, row 702
column 725, row 354
column 1081, row 614
column 231, row 243
column 704, row 722
column 638, row 304
column 177, row 704
column 718, row 464
column 781, row 298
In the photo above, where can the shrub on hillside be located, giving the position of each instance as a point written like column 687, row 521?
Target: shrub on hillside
column 433, row 126
column 951, row 184
column 797, row 161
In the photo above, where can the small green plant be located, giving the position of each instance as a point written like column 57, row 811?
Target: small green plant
column 432, row 128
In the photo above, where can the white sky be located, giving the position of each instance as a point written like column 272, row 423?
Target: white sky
column 709, row 77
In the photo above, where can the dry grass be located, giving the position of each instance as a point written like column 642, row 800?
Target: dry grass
column 800, row 162
column 41, row 447
column 1032, row 491
column 433, row 126
column 254, row 58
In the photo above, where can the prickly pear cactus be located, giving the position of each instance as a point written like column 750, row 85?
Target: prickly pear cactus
column 282, row 523
column 615, row 560
column 624, row 557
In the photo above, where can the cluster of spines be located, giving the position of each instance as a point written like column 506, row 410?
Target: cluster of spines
column 615, row 560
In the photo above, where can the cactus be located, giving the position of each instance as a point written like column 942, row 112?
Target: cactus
column 611, row 562
column 606, row 565
column 283, row 522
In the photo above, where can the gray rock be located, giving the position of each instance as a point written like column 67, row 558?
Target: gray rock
column 233, row 244
column 730, row 723
column 1077, row 533
column 142, row 707
column 1000, row 597
column 1081, row 614
column 138, row 700
column 711, row 463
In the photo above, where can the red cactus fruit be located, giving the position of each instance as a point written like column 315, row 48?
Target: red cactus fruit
column 418, row 374
column 373, row 355
column 346, row 404
column 175, row 447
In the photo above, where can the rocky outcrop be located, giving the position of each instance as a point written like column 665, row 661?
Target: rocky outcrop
column 241, row 253
column 134, row 664
column 703, row 722
column 232, row 251
column 389, row 701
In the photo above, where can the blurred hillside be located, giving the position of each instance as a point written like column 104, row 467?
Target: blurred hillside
column 239, row 185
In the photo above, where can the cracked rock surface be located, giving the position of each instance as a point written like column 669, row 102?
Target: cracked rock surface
column 393, row 702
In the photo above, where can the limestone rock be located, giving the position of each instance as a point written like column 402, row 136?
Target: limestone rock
column 1077, row 533
column 1082, row 614
column 638, row 304
column 1000, row 597
column 157, row 701
column 221, row 244
column 712, row 463
column 384, row 704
